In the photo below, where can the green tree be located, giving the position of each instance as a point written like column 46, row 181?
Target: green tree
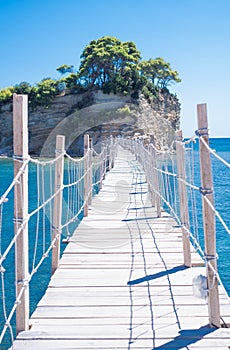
column 72, row 82
column 6, row 94
column 44, row 92
column 159, row 72
column 108, row 63
column 23, row 88
column 65, row 69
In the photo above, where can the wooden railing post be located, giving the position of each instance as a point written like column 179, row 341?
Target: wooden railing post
column 111, row 153
column 20, row 139
column 208, row 217
column 156, row 182
column 105, row 159
column 86, row 178
column 151, row 150
column 101, row 166
column 57, row 211
column 184, row 215
column 90, row 170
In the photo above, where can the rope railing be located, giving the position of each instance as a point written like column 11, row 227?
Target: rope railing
column 213, row 152
column 44, row 231
column 146, row 162
column 149, row 169
column 176, row 186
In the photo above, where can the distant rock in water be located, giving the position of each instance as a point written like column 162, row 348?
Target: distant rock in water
column 98, row 114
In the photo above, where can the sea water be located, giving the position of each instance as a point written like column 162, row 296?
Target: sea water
column 221, row 175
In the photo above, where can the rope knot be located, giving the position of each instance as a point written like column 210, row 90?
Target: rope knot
column 209, row 257
column 201, row 132
column 204, row 191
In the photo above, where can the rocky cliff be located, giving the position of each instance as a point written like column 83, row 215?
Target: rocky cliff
column 98, row 114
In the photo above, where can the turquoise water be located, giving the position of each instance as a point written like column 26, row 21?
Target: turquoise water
column 40, row 280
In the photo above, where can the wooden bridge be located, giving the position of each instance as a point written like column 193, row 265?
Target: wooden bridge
column 121, row 282
column 128, row 278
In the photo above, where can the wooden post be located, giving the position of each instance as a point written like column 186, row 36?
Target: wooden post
column 156, row 183
column 208, row 217
column 20, row 139
column 57, row 212
column 153, row 195
column 90, row 170
column 111, row 153
column 105, row 159
column 86, row 178
column 184, row 216
column 101, row 166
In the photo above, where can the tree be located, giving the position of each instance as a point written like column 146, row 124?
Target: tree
column 44, row 92
column 6, row 94
column 159, row 72
column 108, row 63
column 23, row 88
column 65, row 69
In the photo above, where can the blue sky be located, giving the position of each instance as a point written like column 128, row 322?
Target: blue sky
column 193, row 35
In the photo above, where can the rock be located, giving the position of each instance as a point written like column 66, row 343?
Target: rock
column 98, row 114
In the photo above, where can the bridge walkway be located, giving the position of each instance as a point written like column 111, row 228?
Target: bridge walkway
column 121, row 283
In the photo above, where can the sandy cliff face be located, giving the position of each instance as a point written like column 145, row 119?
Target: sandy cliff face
column 98, row 114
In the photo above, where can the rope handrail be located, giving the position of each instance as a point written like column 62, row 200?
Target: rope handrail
column 217, row 214
column 190, row 140
column 144, row 156
column 76, row 175
column 77, row 160
column 46, row 162
column 3, row 198
column 213, row 152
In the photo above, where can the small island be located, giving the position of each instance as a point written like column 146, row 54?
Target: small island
column 133, row 94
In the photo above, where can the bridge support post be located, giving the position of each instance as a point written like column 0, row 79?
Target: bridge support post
column 184, row 216
column 101, row 166
column 20, row 138
column 152, row 173
column 105, row 159
column 57, row 211
column 112, row 152
column 90, row 170
column 208, row 217
column 156, row 187
column 86, row 175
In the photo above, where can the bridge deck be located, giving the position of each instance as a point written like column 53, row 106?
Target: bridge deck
column 121, row 283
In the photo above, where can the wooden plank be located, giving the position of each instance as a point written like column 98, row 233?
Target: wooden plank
column 143, row 331
column 107, row 311
column 102, row 345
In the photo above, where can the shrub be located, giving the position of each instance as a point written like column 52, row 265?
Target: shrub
column 6, row 94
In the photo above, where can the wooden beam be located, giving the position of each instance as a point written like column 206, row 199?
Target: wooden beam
column 90, row 177
column 86, row 178
column 208, row 217
column 184, row 216
column 156, row 182
column 20, row 139
column 57, row 213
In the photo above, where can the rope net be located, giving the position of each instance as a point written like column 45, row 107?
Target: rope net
column 91, row 170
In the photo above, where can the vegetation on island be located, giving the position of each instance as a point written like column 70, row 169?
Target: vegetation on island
column 107, row 64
